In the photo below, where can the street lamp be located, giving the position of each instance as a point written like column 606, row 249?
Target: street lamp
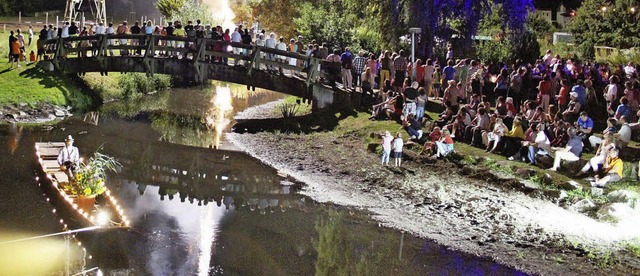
column 413, row 32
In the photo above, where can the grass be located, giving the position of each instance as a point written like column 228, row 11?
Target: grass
column 32, row 85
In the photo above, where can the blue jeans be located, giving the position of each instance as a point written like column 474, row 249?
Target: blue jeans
column 385, row 156
column 532, row 154
column 419, row 113
column 412, row 132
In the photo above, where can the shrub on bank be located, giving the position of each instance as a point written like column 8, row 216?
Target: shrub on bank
column 133, row 85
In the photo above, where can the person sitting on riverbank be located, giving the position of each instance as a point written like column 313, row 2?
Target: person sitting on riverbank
column 571, row 152
column 445, row 145
column 412, row 127
column 397, row 149
column 600, row 157
column 612, row 170
column 69, row 157
column 494, row 137
column 430, row 145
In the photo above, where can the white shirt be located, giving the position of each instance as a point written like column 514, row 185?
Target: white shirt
column 65, row 31
column 625, row 133
column 110, row 30
column 612, row 93
column 397, row 144
column 236, row 37
column 68, row 154
column 99, row 30
column 629, row 70
column 281, row 46
column 30, row 33
column 541, row 140
column 270, row 43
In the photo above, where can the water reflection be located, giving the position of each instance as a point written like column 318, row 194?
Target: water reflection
column 218, row 117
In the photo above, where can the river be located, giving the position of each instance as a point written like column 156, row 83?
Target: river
column 197, row 205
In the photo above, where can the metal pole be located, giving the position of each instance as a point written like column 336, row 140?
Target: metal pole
column 413, row 50
column 57, row 21
column 413, row 55
column 54, row 234
column 46, row 21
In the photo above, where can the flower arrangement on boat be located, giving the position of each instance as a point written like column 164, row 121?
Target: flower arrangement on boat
column 89, row 180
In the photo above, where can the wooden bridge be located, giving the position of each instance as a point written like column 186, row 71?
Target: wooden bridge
column 202, row 59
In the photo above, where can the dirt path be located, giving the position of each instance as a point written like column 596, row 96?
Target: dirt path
column 441, row 202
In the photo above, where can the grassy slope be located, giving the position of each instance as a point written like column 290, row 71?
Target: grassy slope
column 362, row 127
column 32, row 85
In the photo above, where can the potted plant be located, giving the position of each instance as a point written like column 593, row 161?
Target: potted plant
column 89, row 180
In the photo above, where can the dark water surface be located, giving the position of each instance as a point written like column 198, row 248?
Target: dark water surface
column 197, row 207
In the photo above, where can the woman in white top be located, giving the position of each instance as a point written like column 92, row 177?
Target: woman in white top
column 499, row 128
column 540, row 145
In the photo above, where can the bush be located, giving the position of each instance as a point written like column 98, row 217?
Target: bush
column 134, row 85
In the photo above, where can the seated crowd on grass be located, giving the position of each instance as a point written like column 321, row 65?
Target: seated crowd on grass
column 555, row 107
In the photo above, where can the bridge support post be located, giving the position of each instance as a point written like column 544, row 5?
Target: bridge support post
column 255, row 65
column 149, row 55
column 60, row 55
column 101, row 54
column 198, row 61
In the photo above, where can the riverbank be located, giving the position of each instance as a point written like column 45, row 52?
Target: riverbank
column 473, row 207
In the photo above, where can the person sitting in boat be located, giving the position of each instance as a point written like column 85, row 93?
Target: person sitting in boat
column 69, row 157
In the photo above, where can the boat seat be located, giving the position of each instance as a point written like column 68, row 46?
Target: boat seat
column 50, row 165
column 61, row 177
column 45, row 153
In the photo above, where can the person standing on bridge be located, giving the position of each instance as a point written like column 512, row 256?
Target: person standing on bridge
column 170, row 43
column 236, row 37
column 282, row 47
column 110, row 42
column 136, row 30
column 122, row 30
column 271, row 44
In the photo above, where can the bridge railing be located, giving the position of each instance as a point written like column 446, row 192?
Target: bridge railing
column 199, row 50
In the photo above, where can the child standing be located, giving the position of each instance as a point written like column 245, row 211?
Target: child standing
column 397, row 149
column 386, row 147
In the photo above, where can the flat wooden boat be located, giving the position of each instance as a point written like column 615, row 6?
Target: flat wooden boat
column 105, row 213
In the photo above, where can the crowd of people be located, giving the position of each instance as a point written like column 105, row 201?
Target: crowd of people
column 523, row 110
column 553, row 107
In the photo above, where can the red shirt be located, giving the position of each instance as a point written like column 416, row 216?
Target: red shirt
column 563, row 96
column 419, row 73
column 545, row 88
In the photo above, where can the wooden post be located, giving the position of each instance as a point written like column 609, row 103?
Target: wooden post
column 46, row 20
column 19, row 17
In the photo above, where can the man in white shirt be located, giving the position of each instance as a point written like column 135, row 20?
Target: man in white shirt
column 623, row 136
column 65, row 30
column 271, row 43
column 541, row 145
column 30, row 34
column 69, row 157
column 111, row 42
column 236, row 37
column 99, row 30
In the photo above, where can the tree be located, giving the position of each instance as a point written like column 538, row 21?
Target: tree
column 325, row 23
column 616, row 26
column 168, row 8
